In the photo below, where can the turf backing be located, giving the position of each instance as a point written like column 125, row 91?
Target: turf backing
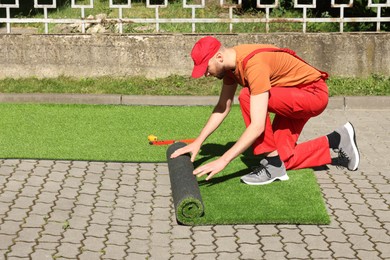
column 119, row 133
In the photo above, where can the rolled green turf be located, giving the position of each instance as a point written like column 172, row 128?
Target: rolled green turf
column 185, row 190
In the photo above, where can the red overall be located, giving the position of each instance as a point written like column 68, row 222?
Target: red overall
column 293, row 107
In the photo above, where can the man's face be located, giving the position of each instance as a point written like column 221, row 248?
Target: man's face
column 215, row 68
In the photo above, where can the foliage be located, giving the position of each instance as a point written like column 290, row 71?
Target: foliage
column 174, row 85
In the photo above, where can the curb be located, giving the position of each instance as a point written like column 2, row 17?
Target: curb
column 342, row 103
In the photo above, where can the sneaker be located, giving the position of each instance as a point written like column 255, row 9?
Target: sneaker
column 265, row 174
column 348, row 150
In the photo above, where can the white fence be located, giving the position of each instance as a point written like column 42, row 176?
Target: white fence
column 230, row 18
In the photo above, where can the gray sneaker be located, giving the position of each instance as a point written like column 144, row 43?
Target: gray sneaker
column 265, row 174
column 348, row 150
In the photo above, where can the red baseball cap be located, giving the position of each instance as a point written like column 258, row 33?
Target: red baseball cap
column 201, row 53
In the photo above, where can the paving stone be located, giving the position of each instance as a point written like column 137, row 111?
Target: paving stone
column 125, row 202
column 291, row 235
column 59, row 215
column 228, row 256
column 203, row 238
column 272, row 255
column 352, row 228
column 89, row 255
column 369, row 222
column 53, row 228
column 310, row 230
column 93, row 243
column 321, row 254
column 144, row 196
column 13, row 185
column 64, row 204
column 117, row 238
column 160, row 240
column 82, row 210
column 140, row 232
column 49, row 242
column 378, row 235
column 41, row 208
column 316, row 243
column 161, row 226
column 74, row 236
column 78, row 222
column 161, row 214
column 363, row 254
column 114, row 252
column 145, row 185
column 121, row 214
column 361, row 242
column 160, row 252
column 341, row 250
column 108, row 184
column 20, row 249
column 142, row 208
column 226, row 244
column 68, row 250
column 28, row 234
column 296, row 250
column 43, row 254
column 224, row 231
column 345, row 215
column 250, row 251
column 179, row 232
column 16, row 214
column 137, row 246
column 96, row 230
column 361, row 210
column 92, row 178
column 181, row 246
column 46, row 197
column 176, row 256
column 247, row 236
column 162, row 191
column 204, row 249
column 6, row 241
column 100, row 218
column 267, row 230
column 383, row 215
column 271, row 243
column 141, row 220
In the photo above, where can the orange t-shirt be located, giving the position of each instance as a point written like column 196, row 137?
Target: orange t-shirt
column 269, row 69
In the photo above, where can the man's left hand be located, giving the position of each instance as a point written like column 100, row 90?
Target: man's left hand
column 211, row 168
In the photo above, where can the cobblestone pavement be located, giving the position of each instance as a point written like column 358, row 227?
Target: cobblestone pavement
column 93, row 210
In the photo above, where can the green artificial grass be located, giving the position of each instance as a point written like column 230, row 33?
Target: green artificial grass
column 119, row 133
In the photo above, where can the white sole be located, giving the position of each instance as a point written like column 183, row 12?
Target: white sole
column 281, row 178
column 352, row 139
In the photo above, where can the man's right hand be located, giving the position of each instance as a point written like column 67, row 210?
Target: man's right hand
column 192, row 148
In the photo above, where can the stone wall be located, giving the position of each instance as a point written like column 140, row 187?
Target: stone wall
column 159, row 55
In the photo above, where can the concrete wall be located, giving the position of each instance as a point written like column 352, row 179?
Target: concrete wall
column 158, row 55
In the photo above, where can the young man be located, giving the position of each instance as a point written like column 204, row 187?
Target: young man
column 274, row 80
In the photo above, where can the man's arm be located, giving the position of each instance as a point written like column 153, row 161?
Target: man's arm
column 219, row 113
column 221, row 110
column 258, row 113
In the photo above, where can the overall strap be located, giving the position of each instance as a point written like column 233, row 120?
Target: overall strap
column 324, row 75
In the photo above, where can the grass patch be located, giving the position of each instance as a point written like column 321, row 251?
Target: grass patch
column 174, row 85
column 119, row 133
column 228, row 201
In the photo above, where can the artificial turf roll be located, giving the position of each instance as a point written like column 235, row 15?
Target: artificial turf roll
column 185, row 190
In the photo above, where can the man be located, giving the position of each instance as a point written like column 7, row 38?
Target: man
column 274, row 80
